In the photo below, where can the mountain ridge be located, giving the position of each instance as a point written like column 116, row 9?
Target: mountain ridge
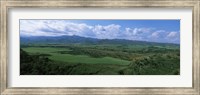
column 82, row 40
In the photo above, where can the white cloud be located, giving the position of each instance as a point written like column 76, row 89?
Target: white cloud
column 158, row 34
column 172, row 34
column 155, row 35
column 112, row 31
column 106, row 32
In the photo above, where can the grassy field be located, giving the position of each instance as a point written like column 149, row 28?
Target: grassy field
column 73, row 58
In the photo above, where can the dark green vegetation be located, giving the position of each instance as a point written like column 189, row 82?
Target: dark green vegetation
column 86, row 56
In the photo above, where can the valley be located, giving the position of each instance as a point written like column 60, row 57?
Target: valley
column 74, row 55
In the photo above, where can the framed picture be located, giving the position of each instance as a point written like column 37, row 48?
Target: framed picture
column 100, row 47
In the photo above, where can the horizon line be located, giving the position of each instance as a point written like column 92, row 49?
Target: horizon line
column 104, row 39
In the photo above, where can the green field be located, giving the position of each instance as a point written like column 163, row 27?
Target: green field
column 73, row 58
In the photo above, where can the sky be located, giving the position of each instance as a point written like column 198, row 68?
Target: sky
column 164, row 31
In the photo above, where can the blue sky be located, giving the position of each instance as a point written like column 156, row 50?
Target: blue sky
column 165, row 31
column 168, row 25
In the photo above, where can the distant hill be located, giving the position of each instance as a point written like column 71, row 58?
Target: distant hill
column 83, row 40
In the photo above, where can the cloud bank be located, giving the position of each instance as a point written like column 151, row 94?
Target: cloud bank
column 112, row 31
